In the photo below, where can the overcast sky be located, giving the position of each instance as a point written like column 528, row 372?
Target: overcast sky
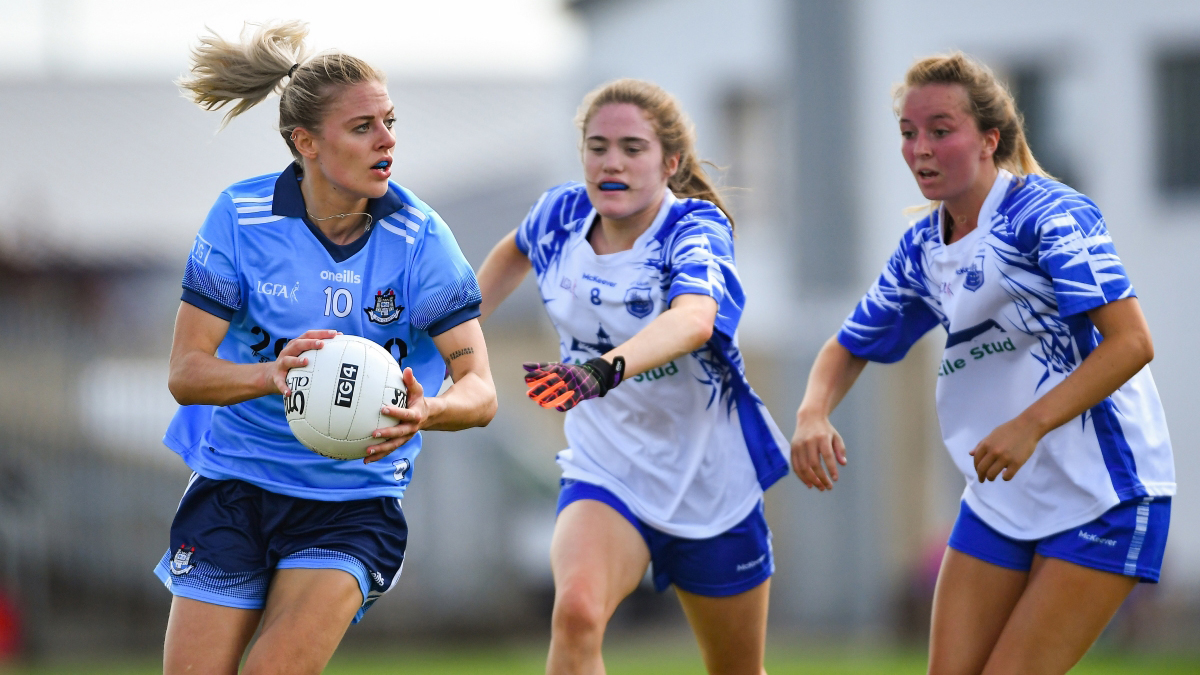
column 150, row 38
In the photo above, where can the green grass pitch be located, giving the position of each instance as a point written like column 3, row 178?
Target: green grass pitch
column 670, row 660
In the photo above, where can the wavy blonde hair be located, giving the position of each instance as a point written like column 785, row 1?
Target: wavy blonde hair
column 989, row 102
column 253, row 68
column 671, row 125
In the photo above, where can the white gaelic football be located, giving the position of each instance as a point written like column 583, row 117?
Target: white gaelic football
column 336, row 399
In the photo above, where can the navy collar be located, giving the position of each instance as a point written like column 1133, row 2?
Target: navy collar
column 289, row 201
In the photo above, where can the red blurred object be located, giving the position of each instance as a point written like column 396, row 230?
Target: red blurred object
column 10, row 629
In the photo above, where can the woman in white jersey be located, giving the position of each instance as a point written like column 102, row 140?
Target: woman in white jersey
column 1043, row 383
column 635, row 266
column 270, row 537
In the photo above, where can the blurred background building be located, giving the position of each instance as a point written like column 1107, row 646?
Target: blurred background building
column 106, row 173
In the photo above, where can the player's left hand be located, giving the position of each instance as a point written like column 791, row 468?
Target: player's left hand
column 1005, row 450
column 410, row 420
column 563, row 386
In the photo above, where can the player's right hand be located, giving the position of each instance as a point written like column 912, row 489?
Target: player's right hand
column 289, row 357
column 816, row 442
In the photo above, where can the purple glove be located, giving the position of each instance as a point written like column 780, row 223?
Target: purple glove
column 563, row 385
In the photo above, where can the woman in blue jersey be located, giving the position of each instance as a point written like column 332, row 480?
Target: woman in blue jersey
column 670, row 449
column 1043, row 383
column 269, row 536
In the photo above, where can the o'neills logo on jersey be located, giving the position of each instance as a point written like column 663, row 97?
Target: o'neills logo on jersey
column 342, row 277
column 344, row 394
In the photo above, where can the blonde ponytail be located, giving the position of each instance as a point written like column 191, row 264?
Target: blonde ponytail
column 252, row 69
column 246, row 71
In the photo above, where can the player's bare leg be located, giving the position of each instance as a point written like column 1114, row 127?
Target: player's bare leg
column 206, row 639
column 307, row 613
column 1061, row 613
column 598, row 558
column 732, row 630
column 971, row 605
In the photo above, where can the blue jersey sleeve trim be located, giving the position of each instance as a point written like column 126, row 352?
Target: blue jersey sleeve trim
column 455, row 318
column 861, row 351
column 212, row 307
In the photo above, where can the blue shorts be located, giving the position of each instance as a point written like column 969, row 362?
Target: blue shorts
column 732, row 562
column 229, row 537
column 1127, row 539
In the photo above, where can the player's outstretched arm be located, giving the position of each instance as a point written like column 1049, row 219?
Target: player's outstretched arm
column 197, row 376
column 815, row 440
column 469, row 402
column 501, row 273
column 685, row 327
column 1125, row 349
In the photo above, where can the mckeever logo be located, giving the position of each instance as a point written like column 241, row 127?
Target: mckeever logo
column 593, row 277
column 344, row 394
column 1096, row 539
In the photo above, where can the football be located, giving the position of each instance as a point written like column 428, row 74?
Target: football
column 336, row 399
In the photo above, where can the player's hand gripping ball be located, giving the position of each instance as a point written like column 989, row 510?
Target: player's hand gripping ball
column 335, row 400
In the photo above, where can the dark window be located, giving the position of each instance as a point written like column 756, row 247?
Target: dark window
column 1179, row 122
column 1032, row 88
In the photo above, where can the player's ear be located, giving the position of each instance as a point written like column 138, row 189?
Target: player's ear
column 991, row 141
column 305, row 142
column 672, row 165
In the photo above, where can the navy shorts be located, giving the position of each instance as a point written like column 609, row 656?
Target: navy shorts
column 1127, row 539
column 229, row 537
column 732, row 562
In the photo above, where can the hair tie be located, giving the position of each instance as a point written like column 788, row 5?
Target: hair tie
column 292, row 71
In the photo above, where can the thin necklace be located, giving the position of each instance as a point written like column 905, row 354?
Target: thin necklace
column 366, row 228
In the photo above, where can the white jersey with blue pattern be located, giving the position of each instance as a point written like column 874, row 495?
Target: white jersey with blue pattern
column 1013, row 296
column 688, row 446
column 261, row 265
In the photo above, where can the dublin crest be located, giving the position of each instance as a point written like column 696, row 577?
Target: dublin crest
column 385, row 310
column 400, row 467
column 181, row 564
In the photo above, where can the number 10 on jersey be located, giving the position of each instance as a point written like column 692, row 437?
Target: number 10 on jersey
column 338, row 301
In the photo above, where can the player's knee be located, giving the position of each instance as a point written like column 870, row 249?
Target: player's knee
column 578, row 612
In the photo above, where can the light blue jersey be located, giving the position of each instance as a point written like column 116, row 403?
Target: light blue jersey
column 688, row 446
column 1013, row 296
column 259, row 264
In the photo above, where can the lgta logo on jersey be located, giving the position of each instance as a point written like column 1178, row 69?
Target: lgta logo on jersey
column 342, row 277
column 278, row 290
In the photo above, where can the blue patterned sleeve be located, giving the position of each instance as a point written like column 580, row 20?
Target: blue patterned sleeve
column 210, row 277
column 547, row 227
column 700, row 261
column 528, row 232
column 892, row 315
column 442, row 290
column 1075, row 250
